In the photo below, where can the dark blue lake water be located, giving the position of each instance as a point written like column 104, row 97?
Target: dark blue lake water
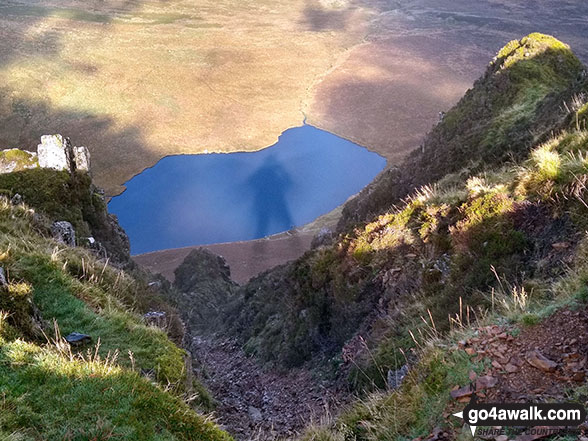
column 202, row 199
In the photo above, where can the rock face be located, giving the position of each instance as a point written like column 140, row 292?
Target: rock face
column 52, row 152
column 64, row 232
column 204, row 283
column 56, row 152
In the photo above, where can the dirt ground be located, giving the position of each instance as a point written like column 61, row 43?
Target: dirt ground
column 246, row 259
column 257, row 403
column 540, row 363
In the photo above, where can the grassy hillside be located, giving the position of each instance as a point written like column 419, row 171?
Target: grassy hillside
column 505, row 247
column 129, row 383
column 518, row 102
column 62, row 196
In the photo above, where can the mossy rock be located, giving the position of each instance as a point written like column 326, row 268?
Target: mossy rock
column 14, row 160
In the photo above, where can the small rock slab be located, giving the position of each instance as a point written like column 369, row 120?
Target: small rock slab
column 540, row 361
column 78, row 339
column 486, row 382
column 255, row 414
column 462, row 392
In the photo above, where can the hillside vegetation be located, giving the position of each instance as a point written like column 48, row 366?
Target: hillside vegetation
column 482, row 210
column 131, row 382
column 484, row 224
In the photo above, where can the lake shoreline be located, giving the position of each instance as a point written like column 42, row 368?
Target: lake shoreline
column 248, row 258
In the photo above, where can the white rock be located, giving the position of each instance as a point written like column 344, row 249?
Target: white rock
column 52, row 152
column 81, row 158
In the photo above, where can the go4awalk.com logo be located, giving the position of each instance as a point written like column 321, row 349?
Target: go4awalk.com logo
column 546, row 416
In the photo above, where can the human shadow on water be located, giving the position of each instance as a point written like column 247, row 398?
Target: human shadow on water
column 269, row 185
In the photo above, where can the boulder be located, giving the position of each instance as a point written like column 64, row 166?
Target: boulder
column 64, row 232
column 53, row 152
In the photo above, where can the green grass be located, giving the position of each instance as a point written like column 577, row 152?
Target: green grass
column 48, row 395
column 118, row 330
column 482, row 228
column 50, row 391
column 58, row 195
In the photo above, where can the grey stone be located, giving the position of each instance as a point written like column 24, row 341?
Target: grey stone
column 155, row 286
column 3, row 281
column 81, row 158
column 156, row 318
column 322, row 238
column 16, row 199
column 53, row 152
column 396, row 377
column 64, row 232
column 78, row 339
column 255, row 414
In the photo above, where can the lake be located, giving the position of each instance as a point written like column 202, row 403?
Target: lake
column 226, row 197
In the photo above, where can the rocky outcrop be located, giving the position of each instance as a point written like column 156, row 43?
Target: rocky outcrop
column 81, row 158
column 52, row 152
column 14, row 160
column 56, row 152
column 204, row 282
column 64, row 232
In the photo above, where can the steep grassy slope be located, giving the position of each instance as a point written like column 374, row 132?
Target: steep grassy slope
column 538, row 205
column 127, row 385
column 518, row 102
column 480, row 222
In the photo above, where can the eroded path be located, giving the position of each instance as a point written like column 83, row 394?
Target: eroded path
column 257, row 403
